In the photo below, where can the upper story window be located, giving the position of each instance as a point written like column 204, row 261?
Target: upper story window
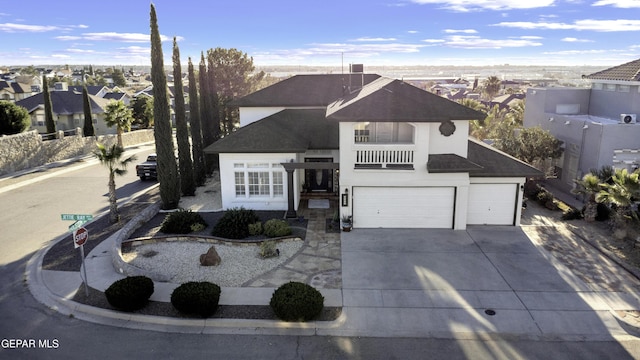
column 383, row 133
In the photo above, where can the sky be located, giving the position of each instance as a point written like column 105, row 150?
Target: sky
column 325, row 32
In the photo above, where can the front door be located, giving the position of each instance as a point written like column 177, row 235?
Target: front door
column 319, row 180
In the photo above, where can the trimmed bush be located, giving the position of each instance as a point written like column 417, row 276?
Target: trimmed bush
column 199, row 298
column 276, row 228
column 234, row 224
column 255, row 229
column 268, row 249
column 130, row 294
column 295, row 301
column 182, row 222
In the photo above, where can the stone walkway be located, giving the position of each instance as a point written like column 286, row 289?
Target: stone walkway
column 319, row 261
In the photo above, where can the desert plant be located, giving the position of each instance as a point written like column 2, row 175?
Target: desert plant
column 268, row 249
column 295, row 301
column 130, row 294
column 255, row 229
column 234, row 224
column 199, row 298
column 182, row 222
column 572, row 214
column 276, row 228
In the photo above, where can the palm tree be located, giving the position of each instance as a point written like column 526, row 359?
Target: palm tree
column 621, row 193
column 119, row 115
column 589, row 186
column 492, row 86
column 111, row 159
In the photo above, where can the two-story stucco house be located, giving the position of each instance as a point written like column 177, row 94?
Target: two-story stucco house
column 599, row 125
column 394, row 155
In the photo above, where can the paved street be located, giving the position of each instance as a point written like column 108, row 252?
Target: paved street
column 31, row 225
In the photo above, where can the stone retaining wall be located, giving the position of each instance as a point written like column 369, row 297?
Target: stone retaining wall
column 27, row 150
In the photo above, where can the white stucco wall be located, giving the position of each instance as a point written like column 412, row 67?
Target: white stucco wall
column 253, row 114
column 418, row 177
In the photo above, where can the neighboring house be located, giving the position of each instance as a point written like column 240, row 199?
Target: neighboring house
column 599, row 126
column 14, row 91
column 68, row 111
column 505, row 101
column 396, row 156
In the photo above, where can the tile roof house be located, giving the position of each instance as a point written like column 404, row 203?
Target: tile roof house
column 395, row 155
column 599, row 126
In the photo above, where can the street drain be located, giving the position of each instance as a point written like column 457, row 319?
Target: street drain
column 149, row 254
column 490, row 312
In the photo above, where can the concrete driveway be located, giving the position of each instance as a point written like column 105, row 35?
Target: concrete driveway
column 485, row 280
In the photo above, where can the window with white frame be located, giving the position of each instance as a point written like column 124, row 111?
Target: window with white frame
column 258, row 180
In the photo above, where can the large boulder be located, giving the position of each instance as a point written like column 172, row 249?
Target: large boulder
column 211, row 258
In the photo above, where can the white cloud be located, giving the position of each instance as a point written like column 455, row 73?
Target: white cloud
column 412, row 31
column 60, row 56
column 433, row 41
column 465, row 31
column 475, row 5
column 80, row 51
column 67, row 38
column 136, row 50
column 575, row 52
column 580, row 25
column 576, row 40
column 369, row 39
column 624, row 4
column 124, row 37
column 476, row 42
column 12, row 28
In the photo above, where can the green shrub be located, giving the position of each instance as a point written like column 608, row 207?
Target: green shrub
column 255, row 229
column 234, row 224
column 182, row 222
column 295, row 301
column 572, row 214
column 268, row 249
column 199, row 298
column 604, row 212
column 276, row 228
column 130, row 294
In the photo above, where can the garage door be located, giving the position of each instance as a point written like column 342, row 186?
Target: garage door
column 403, row 207
column 492, row 204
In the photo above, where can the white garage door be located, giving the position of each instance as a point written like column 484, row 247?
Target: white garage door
column 492, row 204
column 403, row 207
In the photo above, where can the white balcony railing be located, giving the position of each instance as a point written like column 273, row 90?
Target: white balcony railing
column 384, row 158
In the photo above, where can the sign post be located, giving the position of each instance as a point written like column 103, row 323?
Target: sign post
column 80, row 237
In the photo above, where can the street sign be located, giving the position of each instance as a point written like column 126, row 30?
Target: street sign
column 76, row 217
column 76, row 225
column 80, row 237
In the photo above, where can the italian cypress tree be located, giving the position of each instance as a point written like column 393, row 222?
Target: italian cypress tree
column 206, row 113
column 187, row 183
column 166, row 162
column 48, row 107
column 196, row 129
column 88, row 129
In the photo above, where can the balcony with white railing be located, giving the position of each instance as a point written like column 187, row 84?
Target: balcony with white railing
column 397, row 156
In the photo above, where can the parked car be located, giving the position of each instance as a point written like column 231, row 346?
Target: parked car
column 147, row 170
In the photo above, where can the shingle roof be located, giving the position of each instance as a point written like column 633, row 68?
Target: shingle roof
column 393, row 100
column 64, row 102
column 15, row 87
column 284, row 132
column 496, row 163
column 91, row 89
column 625, row 72
column 304, row 90
column 450, row 163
